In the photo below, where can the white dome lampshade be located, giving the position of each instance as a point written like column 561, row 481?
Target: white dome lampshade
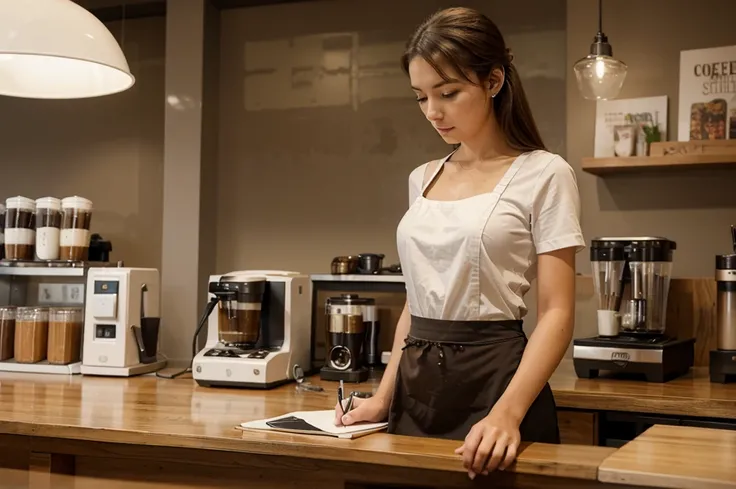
column 599, row 75
column 56, row 49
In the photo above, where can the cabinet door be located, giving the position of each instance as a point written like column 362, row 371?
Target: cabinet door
column 578, row 427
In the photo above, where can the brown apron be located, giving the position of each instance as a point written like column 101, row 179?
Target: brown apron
column 451, row 374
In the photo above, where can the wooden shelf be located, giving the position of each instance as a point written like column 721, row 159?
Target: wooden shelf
column 668, row 155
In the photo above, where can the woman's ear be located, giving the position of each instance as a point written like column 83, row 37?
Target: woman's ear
column 496, row 80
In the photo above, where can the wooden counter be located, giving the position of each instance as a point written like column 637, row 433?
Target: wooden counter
column 173, row 430
column 690, row 395
column 677, row 457
column 166, row 426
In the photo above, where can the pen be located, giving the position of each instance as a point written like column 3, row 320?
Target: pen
column 345, row 404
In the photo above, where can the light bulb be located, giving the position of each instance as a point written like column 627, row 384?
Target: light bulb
column 600, row 68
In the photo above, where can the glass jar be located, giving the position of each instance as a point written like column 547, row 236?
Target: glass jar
column 31, row 334
column 65, row 335
column 48, row 228
column 7, row 332
column 76, row 215
column 20, row 228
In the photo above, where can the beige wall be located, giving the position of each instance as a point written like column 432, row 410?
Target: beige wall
column 319, row 128
column 693, row 208
column 108, row 149
column 318, row 132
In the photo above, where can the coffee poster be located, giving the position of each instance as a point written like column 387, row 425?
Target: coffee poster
column 707, row 99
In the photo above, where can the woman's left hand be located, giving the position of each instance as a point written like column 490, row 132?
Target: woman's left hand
column 496, row 436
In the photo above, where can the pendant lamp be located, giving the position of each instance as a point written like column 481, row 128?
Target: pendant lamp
column 599, row 75
column 56, row 49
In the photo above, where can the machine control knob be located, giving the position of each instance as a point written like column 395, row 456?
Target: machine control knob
column 256, row 371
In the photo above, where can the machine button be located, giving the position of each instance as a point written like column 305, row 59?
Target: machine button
column 105, row 306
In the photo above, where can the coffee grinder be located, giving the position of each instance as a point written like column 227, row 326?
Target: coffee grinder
column 723, row 359
column 261, row 331
column 121, row 322
column 631, row 277
column 352, row 338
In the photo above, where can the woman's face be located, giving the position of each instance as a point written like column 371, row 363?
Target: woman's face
column 458, row 110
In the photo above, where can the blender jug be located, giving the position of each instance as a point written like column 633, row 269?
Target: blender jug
column 650, row 270
column 647, row 308
column 239, row 310
column 608, row 263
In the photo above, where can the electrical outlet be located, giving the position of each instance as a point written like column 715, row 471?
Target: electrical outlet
column 49, row 294
column 72, row 293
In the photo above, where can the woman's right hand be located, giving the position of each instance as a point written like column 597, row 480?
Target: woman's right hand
column 371, row 410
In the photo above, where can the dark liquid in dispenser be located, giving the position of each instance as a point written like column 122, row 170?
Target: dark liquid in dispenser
column 7, row 338
column 20, row 229
column 239, row 326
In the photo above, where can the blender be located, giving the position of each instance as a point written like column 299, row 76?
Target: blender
column 631, row 277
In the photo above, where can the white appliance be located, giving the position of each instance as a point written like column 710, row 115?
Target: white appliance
column 122, row 322
column 280, row 302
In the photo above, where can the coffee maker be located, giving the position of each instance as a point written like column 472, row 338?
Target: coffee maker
column 352, row 329
column 121, row 322
column 260, row 333
column 631, row 277
column 723, row 360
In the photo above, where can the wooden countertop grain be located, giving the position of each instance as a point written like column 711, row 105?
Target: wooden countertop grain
column 178, row 413
column 690, row 395
column 677, row 457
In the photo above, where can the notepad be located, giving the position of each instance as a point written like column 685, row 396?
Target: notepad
column 320, row 423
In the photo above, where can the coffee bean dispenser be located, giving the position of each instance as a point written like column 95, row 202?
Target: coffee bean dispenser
column 48, row 226
column 75, row 237
column 20, row 228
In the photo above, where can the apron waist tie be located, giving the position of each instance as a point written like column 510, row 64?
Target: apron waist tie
column 426, row 333
column 426, row 345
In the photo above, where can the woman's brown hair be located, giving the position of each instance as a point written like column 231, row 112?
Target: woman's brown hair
column 470, row 42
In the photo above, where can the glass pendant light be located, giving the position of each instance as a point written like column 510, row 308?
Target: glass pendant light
column 599, row 75
column 56, row 49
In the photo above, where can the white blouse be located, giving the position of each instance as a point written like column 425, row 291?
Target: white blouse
column 474, row 258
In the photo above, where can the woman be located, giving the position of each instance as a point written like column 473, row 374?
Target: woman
column 483, row 221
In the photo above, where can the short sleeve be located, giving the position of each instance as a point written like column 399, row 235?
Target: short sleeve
column 555, row 217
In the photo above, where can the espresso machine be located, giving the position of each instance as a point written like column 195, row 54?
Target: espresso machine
column 631, row 276
column 723, row 360
column 260, row 332
column 122, row 322
column 352, row 329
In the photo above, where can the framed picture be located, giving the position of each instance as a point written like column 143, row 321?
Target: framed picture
column 626, row 127
column 707, row 98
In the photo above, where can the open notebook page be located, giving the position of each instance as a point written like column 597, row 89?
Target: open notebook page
column 322, row 421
